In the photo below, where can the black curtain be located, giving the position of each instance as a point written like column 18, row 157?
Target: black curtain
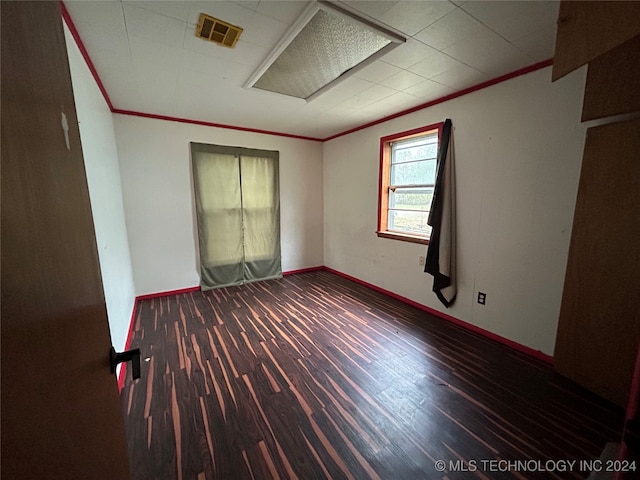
column 441, row 252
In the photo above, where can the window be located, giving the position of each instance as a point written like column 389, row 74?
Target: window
column 408, row 163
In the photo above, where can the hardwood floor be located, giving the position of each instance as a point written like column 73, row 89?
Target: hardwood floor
column 314, row 376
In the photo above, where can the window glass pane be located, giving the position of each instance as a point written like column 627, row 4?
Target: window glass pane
column 417, row 141
column 409, row 222
column 421, row 152
column 414, row 173
column 411, row 198
column 412, row 169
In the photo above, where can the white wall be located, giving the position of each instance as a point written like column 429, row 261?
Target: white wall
column 103, row 178
column 518, row 150
column 159, row 204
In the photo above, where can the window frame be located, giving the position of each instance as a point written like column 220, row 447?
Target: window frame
column 384, row 180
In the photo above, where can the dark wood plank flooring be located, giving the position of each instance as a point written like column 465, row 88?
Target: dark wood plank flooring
column 314, row 376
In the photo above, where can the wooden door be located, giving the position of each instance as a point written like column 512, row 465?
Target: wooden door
column 61, row 416
column 599, row 326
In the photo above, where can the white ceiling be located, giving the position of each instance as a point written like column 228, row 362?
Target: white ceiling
column 149, row 59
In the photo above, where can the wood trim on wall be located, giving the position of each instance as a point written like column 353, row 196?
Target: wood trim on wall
column 85, row 54
column 211, row 124
column 446, row 98
column 474, row 88
column 383, row 181
column 303, row 270
column 127, row 345
column 536, row 354
column 147, row 296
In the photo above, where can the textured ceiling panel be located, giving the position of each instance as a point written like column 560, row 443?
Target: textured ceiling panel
column 325, row 48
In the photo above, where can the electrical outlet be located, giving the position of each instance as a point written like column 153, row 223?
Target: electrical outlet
column 482, row 298
column 421, row 261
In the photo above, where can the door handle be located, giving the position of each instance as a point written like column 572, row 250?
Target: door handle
column 132, row 356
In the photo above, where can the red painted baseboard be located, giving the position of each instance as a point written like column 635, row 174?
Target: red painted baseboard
column 303, row 270
column 132, row 325
column 485, row 333
column 123, row 368
column 147, row 296
column 537, row 354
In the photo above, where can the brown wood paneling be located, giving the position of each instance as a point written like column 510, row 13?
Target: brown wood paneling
column 613, row 82
column 60, row 405
column 599, row 326
column 315, row 376
column 589, row 29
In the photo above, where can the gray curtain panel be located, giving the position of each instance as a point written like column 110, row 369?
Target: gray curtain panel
column 237, row 194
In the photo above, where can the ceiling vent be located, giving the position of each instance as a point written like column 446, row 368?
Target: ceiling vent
column 327, row 44
column 217, row 31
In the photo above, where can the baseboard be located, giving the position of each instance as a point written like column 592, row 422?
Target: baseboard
column 123, row 367
column 127, row 345
column 303, row 270
column 537, row 354
column 147, row 296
